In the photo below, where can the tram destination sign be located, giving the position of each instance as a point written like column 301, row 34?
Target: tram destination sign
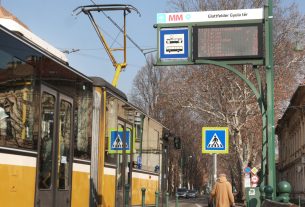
column 228, row 42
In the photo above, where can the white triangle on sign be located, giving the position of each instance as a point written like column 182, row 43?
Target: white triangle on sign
column 215, row 142
column 118, row 142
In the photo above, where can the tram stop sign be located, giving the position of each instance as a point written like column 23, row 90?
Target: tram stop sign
column 186, row 38
column 174, row 43
column 215, row 140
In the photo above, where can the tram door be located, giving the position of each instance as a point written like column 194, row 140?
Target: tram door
column 53, row 186
column 124, row 173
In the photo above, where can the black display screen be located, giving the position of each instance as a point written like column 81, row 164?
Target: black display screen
column 228, row 42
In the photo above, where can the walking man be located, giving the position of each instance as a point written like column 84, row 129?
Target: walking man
column 222, row 192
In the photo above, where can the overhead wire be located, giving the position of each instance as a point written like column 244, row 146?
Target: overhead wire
column 113, row 39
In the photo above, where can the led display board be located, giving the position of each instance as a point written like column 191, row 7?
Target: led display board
column 228, row 42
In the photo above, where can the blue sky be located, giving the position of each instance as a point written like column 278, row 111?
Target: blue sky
column 53, row 22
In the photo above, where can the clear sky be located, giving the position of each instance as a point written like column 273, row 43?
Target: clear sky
column 53, row 22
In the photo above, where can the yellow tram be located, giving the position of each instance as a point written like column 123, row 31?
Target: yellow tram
column 60, row 133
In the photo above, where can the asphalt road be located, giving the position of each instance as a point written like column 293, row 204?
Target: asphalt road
column 192, row 202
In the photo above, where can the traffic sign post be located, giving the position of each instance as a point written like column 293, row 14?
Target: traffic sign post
column 247, row 170
column 254, row 170
column 215, row 140
column 119, row 141
column 254, row 179
column 247, row 180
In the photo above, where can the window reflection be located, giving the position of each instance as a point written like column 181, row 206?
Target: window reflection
column 64, row 144
column 47, row 137
column 16, row 116
column 83, row 119
column 16, row 95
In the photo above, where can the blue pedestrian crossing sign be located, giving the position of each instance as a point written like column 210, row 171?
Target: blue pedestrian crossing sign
column 215, row 140
column 116, row 143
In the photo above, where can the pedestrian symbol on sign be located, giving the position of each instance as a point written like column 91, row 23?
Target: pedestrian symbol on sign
column 215, row 142
column 118, row 143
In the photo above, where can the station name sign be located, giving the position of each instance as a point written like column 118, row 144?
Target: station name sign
column 210, row 16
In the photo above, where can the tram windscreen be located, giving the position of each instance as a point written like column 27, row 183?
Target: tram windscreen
column 227, row 42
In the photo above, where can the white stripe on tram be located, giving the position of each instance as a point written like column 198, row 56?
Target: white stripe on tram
column 145, row 176
column 109, row 171
column 19, row 160
column 81, row 167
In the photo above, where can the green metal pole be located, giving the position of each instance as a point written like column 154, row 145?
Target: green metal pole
column 143, row 196
column 270, row 100
column 177, row 202
column 166, row 195
column 157, row 199
column 264, row 149
column 264, row 119
column 299, row 201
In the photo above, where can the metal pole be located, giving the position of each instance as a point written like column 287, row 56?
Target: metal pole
column 157, row 199
column 270, row 101
column 264, row 149
column 299, row 201
column 177, row 202
column 262, row 106
column 143, row 196
column 214, row 168
column 166, row 195
column 126, row 195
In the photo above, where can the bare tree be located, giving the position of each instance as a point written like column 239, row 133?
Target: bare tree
column 147, row 88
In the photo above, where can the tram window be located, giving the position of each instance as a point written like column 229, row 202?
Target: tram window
column 83, row 133
column 47, row 137
column 16, row 94
column 16, row 117
column 64, row 137
column 111, row 124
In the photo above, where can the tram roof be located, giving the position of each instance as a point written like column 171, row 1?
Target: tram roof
column 100, row 82
column 8, row 15
column 27, row 45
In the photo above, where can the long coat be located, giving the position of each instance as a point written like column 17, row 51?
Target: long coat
column 222, row 192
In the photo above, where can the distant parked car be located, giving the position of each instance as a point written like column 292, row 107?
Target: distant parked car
column 191, row 194
column 181, row 193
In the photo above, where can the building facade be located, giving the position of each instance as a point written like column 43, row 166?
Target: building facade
column 291, row 137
